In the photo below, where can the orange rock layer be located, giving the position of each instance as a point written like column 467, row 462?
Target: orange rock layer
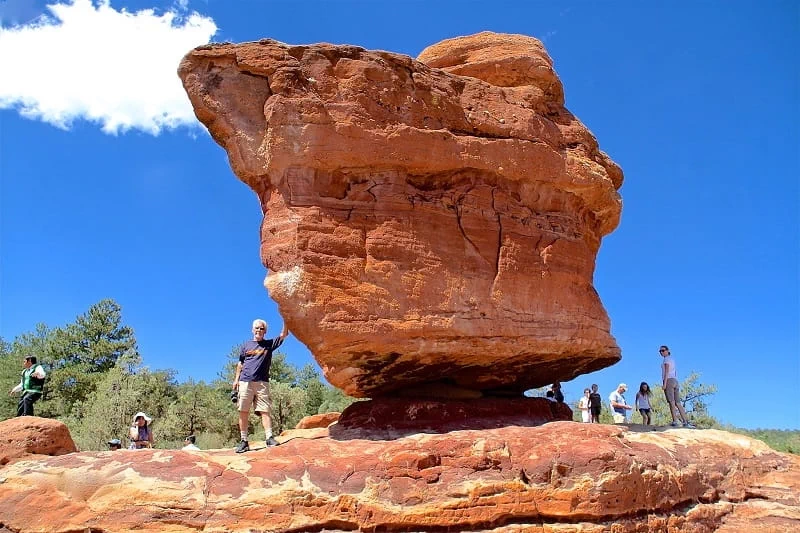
column 559, row 477
column 431, row 220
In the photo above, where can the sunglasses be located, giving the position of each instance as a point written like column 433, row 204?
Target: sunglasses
column 664, row 350
column 259, row 327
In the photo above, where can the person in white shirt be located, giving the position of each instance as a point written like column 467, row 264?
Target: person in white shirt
column 31, row 385
column 642, row 402
column 669, row 380
column 189, row 443
column 619, row 406
column 583, row 405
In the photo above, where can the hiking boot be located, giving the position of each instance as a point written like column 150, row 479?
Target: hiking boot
column 243, row 447
column 271, row 441
column 689, row 425
column 674, row 424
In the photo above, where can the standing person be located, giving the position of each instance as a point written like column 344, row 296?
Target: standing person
column 583, row 405
column 31, row 385
column 669, row 380
column 252, row 380
column 595, row 404
column 557, row 394
column 189, row 443
column 618, row 404
column 643, row 402
column 140, row 434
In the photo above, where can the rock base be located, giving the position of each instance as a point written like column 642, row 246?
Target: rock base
column 559, row 477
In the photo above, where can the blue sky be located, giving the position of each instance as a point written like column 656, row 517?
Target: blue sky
column 699, row 102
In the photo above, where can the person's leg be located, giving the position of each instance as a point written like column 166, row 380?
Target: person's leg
column 21, row 405
column 266, row 421
column 30, row 399
column 263, row 407
column 679, row 404
column 669, row 392
column 245, row 401
column 243, row 419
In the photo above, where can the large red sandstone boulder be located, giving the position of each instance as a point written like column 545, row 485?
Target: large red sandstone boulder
column 23, row 436
column 559, row 477
column 431, row 220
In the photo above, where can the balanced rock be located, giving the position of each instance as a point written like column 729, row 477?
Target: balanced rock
column 560, row 477
column 432, row 220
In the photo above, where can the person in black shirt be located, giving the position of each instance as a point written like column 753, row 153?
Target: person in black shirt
column 557, row 394
column 595, row 404
column 252, row 381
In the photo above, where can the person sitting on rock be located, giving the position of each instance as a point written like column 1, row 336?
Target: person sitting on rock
column 31, row 385
column 140, row 434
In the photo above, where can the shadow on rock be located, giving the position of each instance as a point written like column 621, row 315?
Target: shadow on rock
column 393, row 418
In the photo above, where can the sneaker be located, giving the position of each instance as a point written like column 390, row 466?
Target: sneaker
column 243, row 447
column 271, row 442
column 674, row 424
column 689, row 425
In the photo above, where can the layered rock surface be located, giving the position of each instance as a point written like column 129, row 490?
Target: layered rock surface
column 559, row 477
column 431, row 220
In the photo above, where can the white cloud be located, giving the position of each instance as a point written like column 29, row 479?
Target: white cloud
column 90, row 61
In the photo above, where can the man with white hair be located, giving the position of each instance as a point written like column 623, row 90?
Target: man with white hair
column 619, row 407
column 252, row 381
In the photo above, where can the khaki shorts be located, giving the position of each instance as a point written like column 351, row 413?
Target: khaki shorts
column 619, row 418
column 254, row 393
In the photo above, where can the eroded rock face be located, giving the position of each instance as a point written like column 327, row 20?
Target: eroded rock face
column 559, row 477
column 425, row 221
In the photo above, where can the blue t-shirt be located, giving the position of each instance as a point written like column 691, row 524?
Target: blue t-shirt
column 256, row 358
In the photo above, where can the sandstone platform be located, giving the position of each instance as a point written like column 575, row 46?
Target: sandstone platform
column 560, row 477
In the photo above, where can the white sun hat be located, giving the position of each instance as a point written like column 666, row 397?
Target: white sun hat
column 146, row 418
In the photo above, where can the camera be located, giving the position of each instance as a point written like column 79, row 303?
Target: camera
column 234, row 396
